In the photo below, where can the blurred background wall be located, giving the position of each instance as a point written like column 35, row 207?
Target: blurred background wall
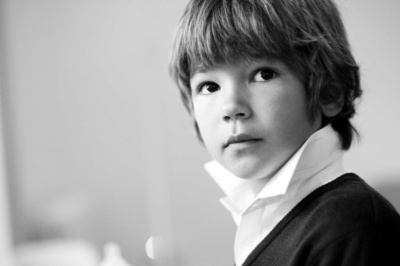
column 99, row 147
column 373, row 32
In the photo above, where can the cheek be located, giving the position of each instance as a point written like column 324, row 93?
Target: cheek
column 279, row 107
column 296, row 123
column 286, row 111
column 203, row 117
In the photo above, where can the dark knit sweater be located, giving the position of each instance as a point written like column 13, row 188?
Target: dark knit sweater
column 345, row 222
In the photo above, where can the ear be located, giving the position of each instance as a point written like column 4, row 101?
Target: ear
column 331, row 109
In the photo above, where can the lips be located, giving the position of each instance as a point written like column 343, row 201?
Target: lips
column 241, row 138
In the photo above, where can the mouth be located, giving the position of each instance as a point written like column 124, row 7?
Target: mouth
column 243, row 139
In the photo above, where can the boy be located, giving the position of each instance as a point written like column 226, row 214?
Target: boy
column 271, row 87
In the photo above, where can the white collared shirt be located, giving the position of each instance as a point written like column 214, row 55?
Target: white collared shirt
column 257, row 206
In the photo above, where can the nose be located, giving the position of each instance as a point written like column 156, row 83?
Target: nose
column 235, row 105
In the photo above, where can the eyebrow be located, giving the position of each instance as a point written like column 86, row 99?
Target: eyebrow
column 199, row 69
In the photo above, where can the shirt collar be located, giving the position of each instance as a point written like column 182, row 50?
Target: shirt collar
column 315, row 154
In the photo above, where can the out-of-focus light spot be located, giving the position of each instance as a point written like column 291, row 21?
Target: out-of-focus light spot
column 155, row 248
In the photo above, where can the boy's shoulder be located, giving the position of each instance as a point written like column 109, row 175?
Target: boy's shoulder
column 344, row 219
column 350, row 202
column 345, row 206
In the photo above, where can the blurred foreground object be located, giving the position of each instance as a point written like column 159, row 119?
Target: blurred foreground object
column 112, row 256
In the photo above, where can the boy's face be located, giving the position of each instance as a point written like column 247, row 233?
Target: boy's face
column 252, row 116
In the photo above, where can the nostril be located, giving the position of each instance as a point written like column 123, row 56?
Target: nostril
column 234, row 117
column 226, row 118
column 235, row 111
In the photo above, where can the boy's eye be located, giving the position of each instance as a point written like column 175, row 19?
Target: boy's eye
column 264, row 75
column 208, row 88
